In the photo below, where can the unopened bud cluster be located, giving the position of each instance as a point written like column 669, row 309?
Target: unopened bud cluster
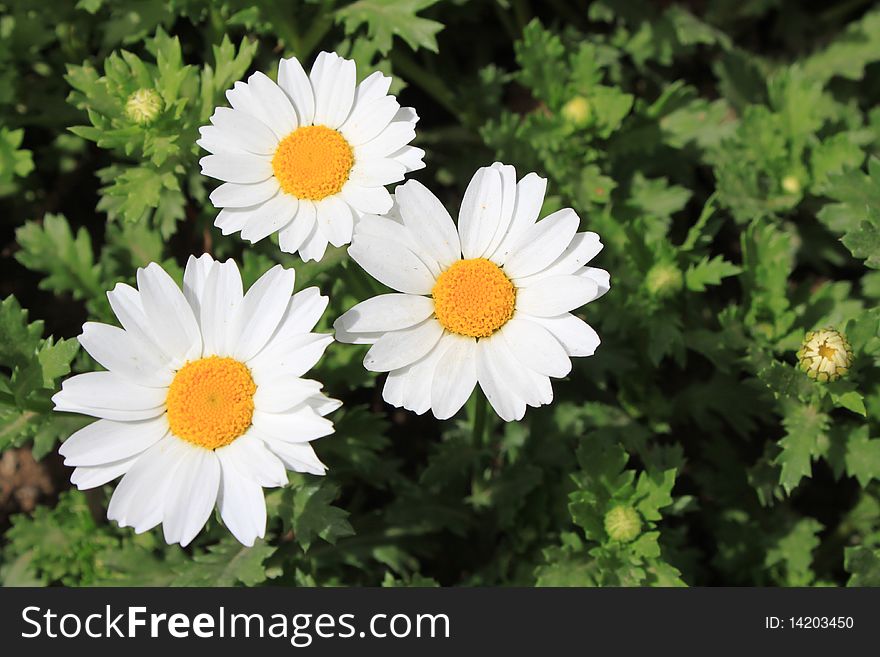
column 143, row 106
column 825, row 355
column 622, row 523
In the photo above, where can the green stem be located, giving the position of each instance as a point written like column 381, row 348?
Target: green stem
column 431, row 84
column 479, row 418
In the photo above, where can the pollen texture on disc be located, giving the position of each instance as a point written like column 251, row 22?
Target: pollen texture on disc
column 313, row 162
column 211, row 401
column 473, row 298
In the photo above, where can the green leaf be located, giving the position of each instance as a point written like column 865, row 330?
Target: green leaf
column 66, row 260
column 227, row 563
column 312, row 515
column 805, row 438
column 863, row 565
column 709, row 272
column 862, row 456
column 388, row 18
column 864, row 242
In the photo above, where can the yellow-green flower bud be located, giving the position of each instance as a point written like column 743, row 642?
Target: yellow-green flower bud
column 143, row 106
column 791, row 184
column 578, row 112
column 664, row 279
column 825, row 355
column 622, row 523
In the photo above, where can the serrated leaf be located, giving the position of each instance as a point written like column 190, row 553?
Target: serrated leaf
column 709, row 272
column 805, row 439
column 227, row 563
column 67, row 260
column 863, row 565
column 862, row 456
column 386, row 19
column 313, row 514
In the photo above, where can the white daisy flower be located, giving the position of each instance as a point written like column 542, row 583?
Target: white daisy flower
column 203, row 402
column 488, row 302
column 309, row 156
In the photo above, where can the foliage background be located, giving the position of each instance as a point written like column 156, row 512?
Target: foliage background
column 725, row 152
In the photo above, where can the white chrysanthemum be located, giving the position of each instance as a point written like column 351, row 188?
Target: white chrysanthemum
column 488, row 302
column 309, row 156
column 203, row 402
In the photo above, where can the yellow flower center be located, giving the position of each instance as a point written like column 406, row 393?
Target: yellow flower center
column 313, row 162
column 474, row 298
column 211, row 401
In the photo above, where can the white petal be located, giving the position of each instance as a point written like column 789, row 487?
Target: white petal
column 242, row 506
column 270, row 217
column 536, row 347
column 400, row 348
column 126, row 355
column 294, row 81
column 508, row 203
column 260, row 311
column 521, row 380
column 556, row 295
column 232, row 220
column 335, row 219
column 315, row 245
column 410, row 157
column 429, row 222
column 391, row 139
column 480, row 212
column 194, row 276
column 303, row 312
column 368, row 119
column 386, row 312
column 392, row 263
column 497, row 389
column 279, row 113
column 235, row 195
column 542, row 243
column 217, row 141
column 91, row 476
column 391, row 228
column 105, row 441
column 455, row 376
column 243, row 98
column 410, row 386
column 191, row 496
column 376, row 172
column 169, row 314
column 601, row 277
column 139, row 499
column 333, row 80
column 295, row 426
column 294, row 234
column 367, row 200
column 373, row 86
column 249, row 456
column 222, row 296
column 297, row 456
column 578, row 337
column 529, row 199
column 245, row 131
column 237, row 167
column 126, row 304
column 295, row 354
column 106, row 395
column 280, row 391
column 583, row 248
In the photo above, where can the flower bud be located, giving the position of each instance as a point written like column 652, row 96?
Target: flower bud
column 664, row 279
column 825, row 355
column 791, row 184
column 622, row 523
column 578, row 112
column 143, row 106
